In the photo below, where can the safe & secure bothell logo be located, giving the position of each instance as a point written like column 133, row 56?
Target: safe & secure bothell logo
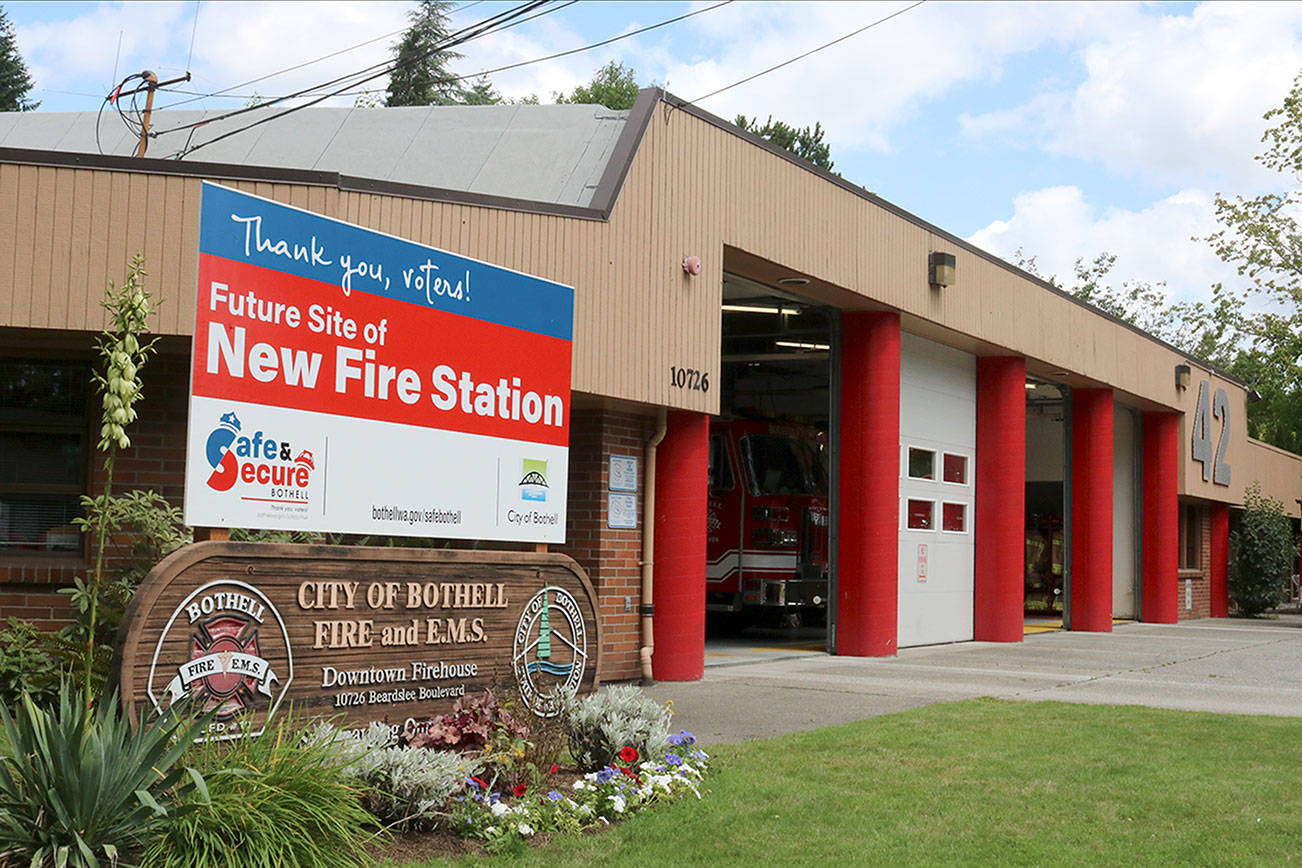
column 225, row 649
column 550, row 652
column 533, row 482
column 265, row 465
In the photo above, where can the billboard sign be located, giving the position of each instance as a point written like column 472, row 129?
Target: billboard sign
column 345, row 380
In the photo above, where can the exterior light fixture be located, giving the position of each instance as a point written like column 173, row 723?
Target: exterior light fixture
column 793, row 281
column 692, row 265
column 757, row 308
column 801, row 345
column 940, row 268
column 1183, row 377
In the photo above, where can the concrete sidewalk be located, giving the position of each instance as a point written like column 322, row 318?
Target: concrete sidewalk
column 1222, row 665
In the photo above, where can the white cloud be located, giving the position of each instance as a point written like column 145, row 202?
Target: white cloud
column 1179, row 97
column 1058, row 225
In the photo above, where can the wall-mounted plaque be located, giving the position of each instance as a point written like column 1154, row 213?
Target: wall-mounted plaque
column 362, row 634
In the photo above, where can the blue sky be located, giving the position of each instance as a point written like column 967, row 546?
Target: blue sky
column 1064, row 129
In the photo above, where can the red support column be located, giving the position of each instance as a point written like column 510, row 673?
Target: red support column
column 868, row 550
column 1162, row 518
column 1091, row 510
column 682, row 479
column 1220, row 566
column 1000, row 500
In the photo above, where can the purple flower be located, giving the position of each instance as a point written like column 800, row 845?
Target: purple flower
column 675, row 740
column 673, row 759
column 687, row 738
column 605, row 775
column 554, row 796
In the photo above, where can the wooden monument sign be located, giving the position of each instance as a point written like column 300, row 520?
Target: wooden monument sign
column 358, row 634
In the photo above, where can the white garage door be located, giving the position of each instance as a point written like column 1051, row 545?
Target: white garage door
column 937, row 493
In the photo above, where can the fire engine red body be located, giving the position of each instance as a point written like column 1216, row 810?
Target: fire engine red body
column 768, row 518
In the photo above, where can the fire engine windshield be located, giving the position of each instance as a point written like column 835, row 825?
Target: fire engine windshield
column 783, row 465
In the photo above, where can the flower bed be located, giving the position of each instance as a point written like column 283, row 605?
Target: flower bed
column 593, row 800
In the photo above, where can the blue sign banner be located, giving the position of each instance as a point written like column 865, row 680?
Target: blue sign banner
column 271, row 235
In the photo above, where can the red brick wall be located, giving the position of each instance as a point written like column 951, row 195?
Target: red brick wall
column 155, row 460
column 610, row 557
column 1196, row 584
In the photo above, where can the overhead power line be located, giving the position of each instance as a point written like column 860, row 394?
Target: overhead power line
column 811, row 51
column 496, row 22
column 589, row 46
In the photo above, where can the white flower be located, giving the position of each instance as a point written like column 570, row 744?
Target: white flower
column 584, row 810
column 526, row 829
column 491, row 830
column 580, row 785
column 618, row 803
column 499, row 808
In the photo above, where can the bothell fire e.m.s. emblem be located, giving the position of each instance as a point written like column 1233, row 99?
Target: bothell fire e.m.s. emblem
column 225, row 649
column 551, row 651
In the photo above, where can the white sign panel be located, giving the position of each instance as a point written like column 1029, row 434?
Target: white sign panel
column 623, row 473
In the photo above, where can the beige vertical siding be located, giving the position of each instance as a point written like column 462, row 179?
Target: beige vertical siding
column 693, row 188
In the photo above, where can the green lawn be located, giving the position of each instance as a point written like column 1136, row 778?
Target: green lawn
column 983, row 782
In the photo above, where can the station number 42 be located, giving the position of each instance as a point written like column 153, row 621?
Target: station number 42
column 1214, row 467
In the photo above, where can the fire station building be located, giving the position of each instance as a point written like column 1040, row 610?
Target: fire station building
column 979, row 447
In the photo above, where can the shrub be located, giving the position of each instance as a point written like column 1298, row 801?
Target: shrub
column 77, row 786
column 405, row 787
column 1263, row 547
column 26, row 665
column 278, row 798
column 621, row 716
column 475, row 722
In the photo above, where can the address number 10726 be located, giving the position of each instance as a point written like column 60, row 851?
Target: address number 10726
column 689, row 378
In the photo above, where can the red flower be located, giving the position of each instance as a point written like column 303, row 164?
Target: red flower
column 480, row 783
column 552, row 770
column 628, row 754
column 519, row 789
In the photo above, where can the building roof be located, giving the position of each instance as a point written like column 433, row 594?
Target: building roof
column 553, row 154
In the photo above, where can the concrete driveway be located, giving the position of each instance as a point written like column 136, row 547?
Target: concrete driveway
column 1222, row 665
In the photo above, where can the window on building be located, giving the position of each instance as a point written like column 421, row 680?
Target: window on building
column 953, row 517
column 921, row 515
column 1191, row 537
column 43, row 443
column 955, row 468
column 720, row 471
column 922, row 463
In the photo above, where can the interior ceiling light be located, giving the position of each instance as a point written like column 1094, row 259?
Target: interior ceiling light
column 1031, row 386
column 793, row 281
column 801, row 345
column 757, row 308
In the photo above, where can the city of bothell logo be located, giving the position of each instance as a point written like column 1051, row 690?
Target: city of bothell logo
column 550, row 651
column 257, row 460
column 533, row 482
column 227, row 634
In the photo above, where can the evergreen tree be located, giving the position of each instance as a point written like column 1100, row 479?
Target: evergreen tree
column 612, row 86
column 806, row 143
column 420, row 76
column 15, row 80
column 481, row 92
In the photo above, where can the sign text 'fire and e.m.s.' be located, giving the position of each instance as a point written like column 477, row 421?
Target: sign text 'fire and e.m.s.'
column 345, row 380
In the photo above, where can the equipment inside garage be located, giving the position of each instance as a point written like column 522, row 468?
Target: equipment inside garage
column 768, row 554
column 1046, row 505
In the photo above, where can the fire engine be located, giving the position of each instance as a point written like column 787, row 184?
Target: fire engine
column 767, row 520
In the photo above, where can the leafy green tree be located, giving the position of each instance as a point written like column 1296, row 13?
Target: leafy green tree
column 420, row 76
column 612, row 86
column 1263, row 548
column 1262, row 236
column 806, row 142
column 15, row 80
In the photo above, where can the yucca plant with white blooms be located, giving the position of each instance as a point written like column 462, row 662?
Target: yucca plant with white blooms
column 124, row 353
